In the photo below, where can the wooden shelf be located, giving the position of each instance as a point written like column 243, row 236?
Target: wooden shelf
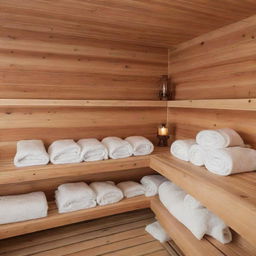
column 232, row 198
column 192, row 246
column 80, row 103
column 229, row 104
column 10, row 174
column 54, row 219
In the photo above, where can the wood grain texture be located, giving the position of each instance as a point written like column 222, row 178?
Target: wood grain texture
column 217, row 65
column 157, row 22
column 54, row 219
column 221, row 195
column 42, row 65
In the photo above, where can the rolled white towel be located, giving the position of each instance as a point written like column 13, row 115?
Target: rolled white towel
column 172, row 197
column 151, row 184
column 64, row 152
column 192, row 203
column 232, row 160
column 106, row 192
column 216, row 228
column 222, row 138
column 131, row 188
column 196, row 155
column 23, row 207
column 157, row 231
column 74, row 196
column 117, row 148
column 92, row 150
column 180, row 149
column 141, row 145
column 30, row 152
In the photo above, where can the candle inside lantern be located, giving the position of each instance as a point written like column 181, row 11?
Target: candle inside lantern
column 163, row 130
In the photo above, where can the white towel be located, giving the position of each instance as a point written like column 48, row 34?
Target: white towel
column 232, row 160
column 92, row 150
column 172, row 197
column 180, row 149
column 74, row 196
column 23, row 207
column 141, row 146
column 107, row 192
column 222, row 138
column 131, row 188
column 157, row 231
column 117, row 148
column 151, row 184
column 196, row 155
column 30, row 152
column 64, row 152
column 216, row 228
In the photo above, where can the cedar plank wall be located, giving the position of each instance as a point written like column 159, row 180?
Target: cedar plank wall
column 56, row 66
column 220, row 64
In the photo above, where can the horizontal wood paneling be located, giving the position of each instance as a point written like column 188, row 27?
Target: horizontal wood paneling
column 190, row 121
column 48, row 65
column 220, row 64
column 156, row 22
column 59, row 123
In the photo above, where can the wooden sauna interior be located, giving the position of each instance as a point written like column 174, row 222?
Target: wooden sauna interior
column 91, row 69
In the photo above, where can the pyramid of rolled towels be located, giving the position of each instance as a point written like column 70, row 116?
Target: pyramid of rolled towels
column 192, row 214
column 222, row 151
column 32, row 152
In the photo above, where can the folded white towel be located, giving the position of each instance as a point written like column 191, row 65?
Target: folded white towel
column 107, row 192
column 131, row 188
column 151, row 184
column 216, row 228
column 158, row 232
column 196, row 155
column 92, row 150
column 141, row 146
column 180, row 149
column 30, row 152
column 64, row 152
column 222, row 138
column 232, row 160
column 74, row 196
column 117, row 148
column 23, row 207
column 172, row 197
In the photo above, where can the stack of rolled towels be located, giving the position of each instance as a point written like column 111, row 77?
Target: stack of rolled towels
column 191, row 213
column 222, row 151
column 33, row 152
column 76, row 196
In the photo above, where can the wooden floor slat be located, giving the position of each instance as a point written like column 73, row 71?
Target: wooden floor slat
column 122, row 234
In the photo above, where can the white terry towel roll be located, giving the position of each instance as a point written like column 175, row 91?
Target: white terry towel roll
column 180, row 149
column 151, row 184
column 232, row 160
column 157, row 231
column 216, row 228
column 74, row 196
column 131, row 188
column 92, row 150
column 117, row 148
column 141, row 145
column 106, row 192
column 172, row 197
column 23, row 207
column 64, row 152
column 222, row 138
column 196, row 155
column 30, row 152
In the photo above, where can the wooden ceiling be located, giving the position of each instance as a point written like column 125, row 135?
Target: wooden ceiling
column 162, row 23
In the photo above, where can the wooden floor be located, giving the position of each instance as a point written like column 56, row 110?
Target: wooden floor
column 118, row 235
